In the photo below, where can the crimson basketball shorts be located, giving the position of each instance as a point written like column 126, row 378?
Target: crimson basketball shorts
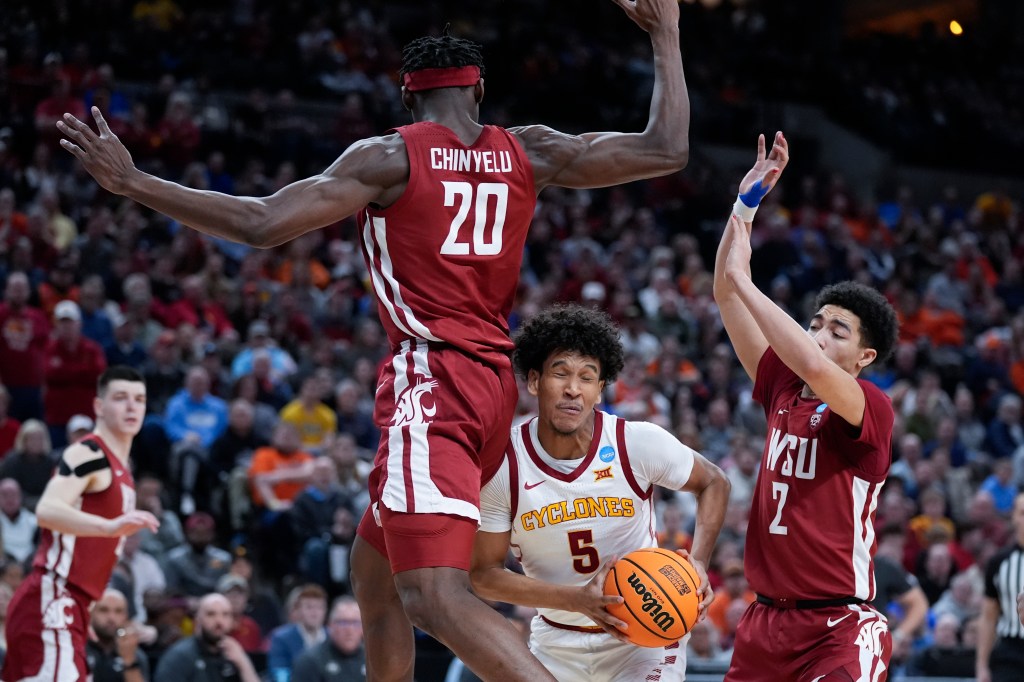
column 445, row 419
column 46, row 632
column 811, row 645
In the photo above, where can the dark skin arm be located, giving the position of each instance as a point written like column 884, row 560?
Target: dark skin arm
column 610, row 158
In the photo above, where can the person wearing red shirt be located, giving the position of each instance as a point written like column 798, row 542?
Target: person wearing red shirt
column 24, row 331
column 73, row 365
column 195, row 309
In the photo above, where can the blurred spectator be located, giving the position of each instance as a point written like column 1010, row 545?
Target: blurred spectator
column 718, row 433
column 114, row 655
column 96, row 324
column 280, row 471
column 123, row 347
column 8, row 425
column 179, row 135
column 236, row 445
column 281, row 363
column 671, row 535
column 143, row 573
column 354, row 418
column 936, row 571
column 326, row 559
column 24, row 333
column 194, row 308
column 195, row 416
column 195, row 567
column 309, row 608
column 315, row 422
column 211, row 655
column 18, row 526
column 164, row 373
column 149, row 496
column 734, row 588
column 312, row 513
column 703, row 653
column 743, row 472
column 246, row 630
column 898, row 596
column 341, row 655
column 1005, row 433
column 29, row 463
column 74, row 364
column 1001, row 486
column 946, row 656
column 353, row 472
column 933, row 512
column 962, row 599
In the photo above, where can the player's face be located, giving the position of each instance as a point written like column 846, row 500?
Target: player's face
column 122, row 407
column 567, row 389
column 837, row 332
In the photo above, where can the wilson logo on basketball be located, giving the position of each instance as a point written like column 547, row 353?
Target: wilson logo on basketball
column 652, row 605
column 675, row 578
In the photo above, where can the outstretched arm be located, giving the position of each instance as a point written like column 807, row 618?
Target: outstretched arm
column 357, row 178
column 611, row 158
column 797, row 349
column 747, row 339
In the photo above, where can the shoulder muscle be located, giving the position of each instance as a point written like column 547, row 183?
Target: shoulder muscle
column 549, row 150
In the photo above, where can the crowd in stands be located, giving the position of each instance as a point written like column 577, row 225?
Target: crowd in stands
column 261, row 365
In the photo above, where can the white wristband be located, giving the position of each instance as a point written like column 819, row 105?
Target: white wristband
column 746, row 213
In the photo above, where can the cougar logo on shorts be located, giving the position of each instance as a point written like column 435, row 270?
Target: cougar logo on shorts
column 57, row 615
column 409, row 408
column 870, row 636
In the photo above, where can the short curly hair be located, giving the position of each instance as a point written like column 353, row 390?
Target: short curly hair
column 569, row 328
column 879, row 327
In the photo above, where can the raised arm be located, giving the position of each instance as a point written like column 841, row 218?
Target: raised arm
column 360, row 176
column 611, row 158
column 747, row 339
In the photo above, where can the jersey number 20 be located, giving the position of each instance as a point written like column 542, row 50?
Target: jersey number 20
column 485, row 239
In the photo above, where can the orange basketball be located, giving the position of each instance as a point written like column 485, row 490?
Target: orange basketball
column 660, row 592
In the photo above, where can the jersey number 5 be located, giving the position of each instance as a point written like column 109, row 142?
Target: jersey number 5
column 581, row 545
column 482, row 244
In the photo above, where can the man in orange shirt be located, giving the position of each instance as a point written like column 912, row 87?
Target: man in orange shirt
column 280, row 471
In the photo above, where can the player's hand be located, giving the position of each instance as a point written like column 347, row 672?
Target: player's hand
column 704, row 591
column 103, row 155
column 592, row 602
column 651, row 15
column 767, row 169
column 982, row 674
column 131, row 523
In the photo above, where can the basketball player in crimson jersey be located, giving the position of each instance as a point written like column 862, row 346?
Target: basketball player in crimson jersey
column 86, row 510
column 444, row 206
column 573, row 491
column 811, row 538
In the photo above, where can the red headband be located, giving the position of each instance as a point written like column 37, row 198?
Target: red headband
column 450, row 77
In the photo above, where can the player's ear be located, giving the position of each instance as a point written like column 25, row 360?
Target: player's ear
column 867, row 356
column 97, row 407
column 533, row 382
column 478, row 91
column 407, row 99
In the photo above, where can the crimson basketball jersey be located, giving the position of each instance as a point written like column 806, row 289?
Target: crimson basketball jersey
column 811, row 533
column 85, row 563
column 444, row 259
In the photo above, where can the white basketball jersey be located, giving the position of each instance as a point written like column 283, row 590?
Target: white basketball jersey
column 567, row 517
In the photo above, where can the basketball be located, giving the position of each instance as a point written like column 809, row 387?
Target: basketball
column 660, row 592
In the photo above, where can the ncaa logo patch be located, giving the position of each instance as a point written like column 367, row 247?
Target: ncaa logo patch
column 607, row 453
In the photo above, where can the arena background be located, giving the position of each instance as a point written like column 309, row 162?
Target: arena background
column 906, row 135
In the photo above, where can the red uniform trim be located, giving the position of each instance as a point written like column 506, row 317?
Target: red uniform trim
column 574, row 628
column 627, row 470
column 583, row 465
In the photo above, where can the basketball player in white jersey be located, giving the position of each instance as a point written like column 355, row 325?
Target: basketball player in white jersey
column 574, row 494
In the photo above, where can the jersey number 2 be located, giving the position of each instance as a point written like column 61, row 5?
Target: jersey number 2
column 581, row 545
column 779, row 492
column 482, row 244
